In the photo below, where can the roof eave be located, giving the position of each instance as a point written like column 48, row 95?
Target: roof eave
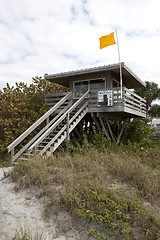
column 65, row 75
column 135, row 76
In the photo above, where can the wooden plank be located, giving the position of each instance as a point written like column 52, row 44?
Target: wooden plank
column 54, row 103
column 55, row 95
column 134, row 112
column 132, row 103
column 134, row 94
column 132, row 107
column 52, row 99
column 134, row 99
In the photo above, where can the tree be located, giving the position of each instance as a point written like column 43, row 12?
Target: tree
column 150, row 93
column 155, row 111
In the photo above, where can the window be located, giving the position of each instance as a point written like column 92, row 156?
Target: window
column 82, row 87
column 97, row 84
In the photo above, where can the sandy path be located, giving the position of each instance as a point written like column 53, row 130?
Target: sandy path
column 23, row 210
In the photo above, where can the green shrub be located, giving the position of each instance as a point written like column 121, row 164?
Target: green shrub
column 137, row 131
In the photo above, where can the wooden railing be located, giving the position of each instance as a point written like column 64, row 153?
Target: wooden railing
column 54, row 98
column 134, row 101
column 60, row 120
column 127, row 99
column 45, row 117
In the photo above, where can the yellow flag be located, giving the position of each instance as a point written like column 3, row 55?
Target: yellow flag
column 107, row 40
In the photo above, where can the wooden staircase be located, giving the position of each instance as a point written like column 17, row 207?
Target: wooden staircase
column 58, row 130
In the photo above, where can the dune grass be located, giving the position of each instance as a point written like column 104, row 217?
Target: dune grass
column 117, row 190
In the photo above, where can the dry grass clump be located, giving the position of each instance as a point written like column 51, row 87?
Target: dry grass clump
column 64, row 170
column 91, row 184
column 140, row 176
column 26, row 234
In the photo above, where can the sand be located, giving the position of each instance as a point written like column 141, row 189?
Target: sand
column 23, row 210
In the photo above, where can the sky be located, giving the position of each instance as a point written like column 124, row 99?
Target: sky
column 53, row 36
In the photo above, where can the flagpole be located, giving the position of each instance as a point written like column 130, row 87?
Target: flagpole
column 119, row 63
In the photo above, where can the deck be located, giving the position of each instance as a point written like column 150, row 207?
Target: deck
column 130, row 105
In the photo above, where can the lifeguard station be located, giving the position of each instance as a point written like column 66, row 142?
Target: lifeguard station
column 95, row 95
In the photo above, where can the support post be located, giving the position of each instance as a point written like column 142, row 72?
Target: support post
column 34, row 150
column 120, row 135
column 47, row 120
column 96, row 122
column 12, row 155
column 67, row 133
column 78, row 133
column 103, row 127
column 110, row 130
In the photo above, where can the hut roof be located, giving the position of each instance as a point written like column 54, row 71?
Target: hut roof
column 130, row 79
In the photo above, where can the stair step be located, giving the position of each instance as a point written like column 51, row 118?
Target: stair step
column 48, row 138
column 15, row 163
column 56, row 132
column 53, row 134
column 44, row 143
column 23, row 159
column 40, row 147
column 59, row 128
column 38, row 151
column 27, row 154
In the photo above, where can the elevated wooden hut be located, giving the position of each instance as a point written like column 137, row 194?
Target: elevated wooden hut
column 95, row 95
column 105, row 91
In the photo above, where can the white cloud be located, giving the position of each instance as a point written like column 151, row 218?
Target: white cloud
column 38, row 37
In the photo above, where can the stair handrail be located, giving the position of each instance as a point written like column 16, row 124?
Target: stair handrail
column 37, row 123
column 58, row 121
column 64, row 128
column 40, row 133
